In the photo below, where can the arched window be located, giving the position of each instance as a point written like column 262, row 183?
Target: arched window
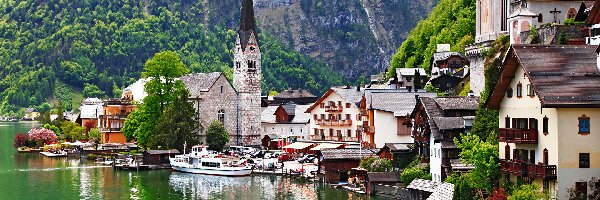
column 221, row 116
column 572, row 13
column 545, row 156
column 540, row 18
column 507, row 152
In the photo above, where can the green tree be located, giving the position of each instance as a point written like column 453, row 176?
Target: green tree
column 412, row 173
column 367, row 163
column 116, row 91
column 178, row 125
column 462, row 186
column 417, row 80
column 91, row 90
column 216, row 136
column 484, row 156
column 527, row 192
column 53, row 128
column 95, row 136
column 72, row 131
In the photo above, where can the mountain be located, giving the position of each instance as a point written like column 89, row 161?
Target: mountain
column 57, row 49
column 355, row 37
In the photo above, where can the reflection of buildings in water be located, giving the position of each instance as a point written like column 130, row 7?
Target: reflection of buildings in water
column 194, row 186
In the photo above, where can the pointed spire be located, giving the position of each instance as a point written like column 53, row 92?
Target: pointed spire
column 247, row 23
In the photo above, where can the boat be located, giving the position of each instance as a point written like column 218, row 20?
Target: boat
column 54, row 154
column 200, row 161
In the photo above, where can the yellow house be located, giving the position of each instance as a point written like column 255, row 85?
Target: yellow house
column 549, row 103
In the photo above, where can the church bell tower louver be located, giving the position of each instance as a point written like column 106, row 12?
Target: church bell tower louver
column 246, row 78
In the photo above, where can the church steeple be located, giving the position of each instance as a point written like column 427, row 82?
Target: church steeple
column 247, row 24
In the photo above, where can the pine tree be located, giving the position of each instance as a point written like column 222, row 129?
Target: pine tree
column 178, row 125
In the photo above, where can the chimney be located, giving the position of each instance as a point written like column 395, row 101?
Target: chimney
column 443, row 48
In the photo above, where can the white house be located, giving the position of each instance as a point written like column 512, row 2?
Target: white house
column 334, row 115
column 285, row 121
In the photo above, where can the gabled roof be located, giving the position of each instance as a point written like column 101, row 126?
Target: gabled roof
column 294, row 94
column 410, row 71
column 562, row 76
column 398, row 146
column 458, row 103
column 440, row 56
column 449, row 123
column 200, row 82
column 594, row 15
column 290, row 109
column 399, row 103
column 522, row 11
column 300, row 115
column 350, row 94
column 158, row 152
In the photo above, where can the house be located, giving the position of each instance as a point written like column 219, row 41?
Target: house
column 437, row 121
column 377, row 183
column 549, row 99
column 388, row 115
column 448, row 69
column 287, row 120
column 406, row 78
column 336, row 163
column 401, row 154
column 299, row 97
column 112, row 119
column 159, row 157
column 335, row 115
column 593, row 25
column 31, row 114
column 90, row 111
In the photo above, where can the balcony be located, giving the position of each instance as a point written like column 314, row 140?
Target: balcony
column 350, row 139
column 333, row 122
column 518, row 136
column 522, row 169
column 111, row 129
column 316, row 138
column 332, row 138
column 334, row 108
column 116, row 116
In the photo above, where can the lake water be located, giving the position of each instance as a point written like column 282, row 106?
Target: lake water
column 32, row 176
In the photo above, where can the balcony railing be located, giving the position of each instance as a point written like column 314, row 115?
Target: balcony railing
column 518, row 136
column 116, row 116
column 334, row 108
column 333, row 122
column 316, row 137
column 523, row 169
column 111, row 129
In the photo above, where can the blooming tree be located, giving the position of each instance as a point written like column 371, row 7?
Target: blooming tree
column 42, row 136
column 21, row 140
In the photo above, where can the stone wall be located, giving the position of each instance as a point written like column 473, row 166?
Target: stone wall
column 209, row 104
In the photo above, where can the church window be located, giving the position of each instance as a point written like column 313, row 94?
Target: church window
column 540, row 18
column 572, row 13
column 221, row 89
column 221, row 116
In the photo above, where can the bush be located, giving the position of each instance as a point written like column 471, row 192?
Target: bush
column 373, row 164
column 527, row 192
column 216, row 136
column 42, row 136
column 21, row 140
column 410, row 174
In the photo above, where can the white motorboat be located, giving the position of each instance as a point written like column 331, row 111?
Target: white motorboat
column 200, row 161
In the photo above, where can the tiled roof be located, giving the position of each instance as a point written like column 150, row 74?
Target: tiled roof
column 350, row 94
column 458, row 103
column 157, row 152
column 443, row 192
column 300, row 116
column 445, row 55
column 562, row 76
column 294, row 94
column 410, row 71
column 290, row 109
column 448, row 144
column 200, row 82
column 431, row 107
column 449, row 123
column 399, row 146
column 423, row 185
column 383, row 176
column 346, row 154
column 399, row 103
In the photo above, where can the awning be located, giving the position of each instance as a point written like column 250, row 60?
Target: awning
column 326, row 146
column 298, row 145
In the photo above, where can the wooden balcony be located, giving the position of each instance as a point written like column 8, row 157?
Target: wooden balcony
column 333, row 122
column 334, row 108
column 110, row 130
column 518, row 136
column 120, row 116
column 522, row 169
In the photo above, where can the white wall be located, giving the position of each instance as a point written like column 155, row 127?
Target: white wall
column 435, row 160
column 386, row 129
column 285, row 130
column 353, row 111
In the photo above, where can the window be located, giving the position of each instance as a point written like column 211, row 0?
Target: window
column 349, row 133
column 545, row 125
column 507, row 152
column 533, row 123
column 540, row 18
column 581, row 189
column 519, row 90
column 509, row 92
column 347, row 116
column 347, row 105
column 545, row 158
column 322, row 116
column 584, row 160
column 221, row 89
column 507, row 122
column 530, row 90
column 315, row 116
column 532, row 156
column 408, row 79
column 322, row 105
column 221, row 116
column 584, row 125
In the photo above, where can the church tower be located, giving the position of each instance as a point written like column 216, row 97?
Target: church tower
column 246, row 78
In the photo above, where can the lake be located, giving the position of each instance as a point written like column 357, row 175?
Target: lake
column 32, row 176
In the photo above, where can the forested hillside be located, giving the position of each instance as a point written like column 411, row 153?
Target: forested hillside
column 450, row 22
column 100, row 46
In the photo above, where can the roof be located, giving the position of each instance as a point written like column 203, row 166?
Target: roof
column 247, row 23
column 449, row 123
column 383, row 176
column 399, row 146
column 399, row 103
column 324, row 146
column 458, row 103
column 410, row 71
column 290, row 109
column 562, row 76
column 443, row 192
column 346, row 154
column 522, row 11
column 431, row 107
column 200, row 82
column 594, row 17
column 439, row 56
column 424, row 185
column 447, row 144
column 294, row 94
column 350, row 94
column 300, row 116
column 158, row 152
column 298, row 145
